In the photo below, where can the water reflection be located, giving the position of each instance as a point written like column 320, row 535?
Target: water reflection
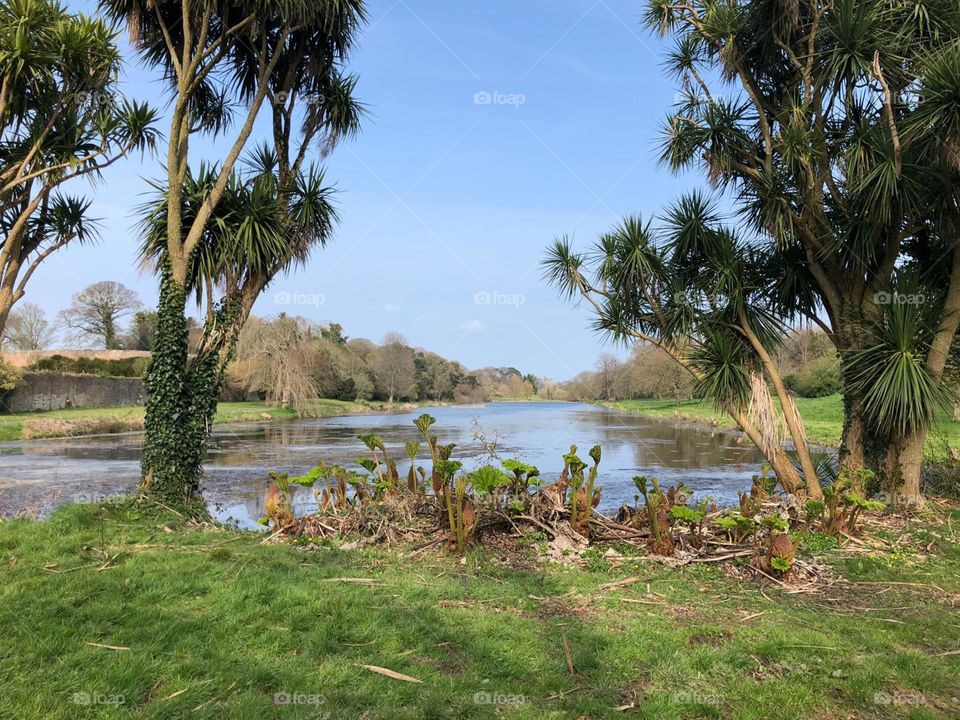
column 48, row 472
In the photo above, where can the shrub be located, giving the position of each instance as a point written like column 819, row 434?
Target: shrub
column 819, row 379
column 124, row 367
column 10, row 376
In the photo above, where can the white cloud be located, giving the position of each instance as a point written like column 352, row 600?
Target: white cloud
column 472, row 326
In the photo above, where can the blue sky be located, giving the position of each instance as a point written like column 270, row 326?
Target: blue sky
column 494, row 127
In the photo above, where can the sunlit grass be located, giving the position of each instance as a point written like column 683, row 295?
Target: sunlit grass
column 218, row 625
column 822, row 418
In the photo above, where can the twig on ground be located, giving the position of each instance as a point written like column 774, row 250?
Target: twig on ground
column 568, row 656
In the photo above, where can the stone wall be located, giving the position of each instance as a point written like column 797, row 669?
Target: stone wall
column 56, row 391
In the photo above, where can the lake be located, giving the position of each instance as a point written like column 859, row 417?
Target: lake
column 40, row 474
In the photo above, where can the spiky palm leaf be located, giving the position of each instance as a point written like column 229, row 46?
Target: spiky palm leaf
column 722, row 363
column 255, row 231
column 899, row 393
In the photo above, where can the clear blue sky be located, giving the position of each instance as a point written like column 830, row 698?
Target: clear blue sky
column 444, row 196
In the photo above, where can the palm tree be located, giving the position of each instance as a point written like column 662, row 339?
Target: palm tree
column 218, row 57
column 254, row 233
column 60, row 120
column 841, row 142
column 707, row 298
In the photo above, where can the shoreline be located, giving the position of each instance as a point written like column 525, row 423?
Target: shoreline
column 688, row 422
column 128, row 420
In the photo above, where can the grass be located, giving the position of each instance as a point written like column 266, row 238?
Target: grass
column 214, row 624
column 822, row 418
column 89, row 421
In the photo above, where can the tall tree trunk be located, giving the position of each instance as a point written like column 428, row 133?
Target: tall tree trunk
column 182, row 396
column 779, row 461
column 852, row 453
column 905, row 454
column 8, row 288
column 169, row 466
column 911, row 448
column 862, row 446
column 791, row 417
column 902, row 469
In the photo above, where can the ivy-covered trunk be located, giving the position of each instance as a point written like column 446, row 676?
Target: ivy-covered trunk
column 182, row 396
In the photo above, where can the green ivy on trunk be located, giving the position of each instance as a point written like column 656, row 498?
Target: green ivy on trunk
column 182, row 395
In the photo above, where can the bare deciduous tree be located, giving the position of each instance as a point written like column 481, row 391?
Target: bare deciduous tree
column 394, row 367
column 27, row 328
column 654, row 374
column 609, row 372
column 278, row 359
column 97, row 312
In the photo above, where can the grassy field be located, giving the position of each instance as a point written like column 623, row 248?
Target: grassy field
column 822, row 417
column 116, row 612
column 85, row 421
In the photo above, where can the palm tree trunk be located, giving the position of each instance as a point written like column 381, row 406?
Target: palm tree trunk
column 852, row 446
column 169, row 468
column 791, row 417
column 182, row 396
column 779, row 461
column 905, row 455
column 902, row 467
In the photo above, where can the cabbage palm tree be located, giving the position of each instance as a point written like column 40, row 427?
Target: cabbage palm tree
column 841, row 142
column 60, row 120
column 221, row 58
column 707, row 298
column 254, row 233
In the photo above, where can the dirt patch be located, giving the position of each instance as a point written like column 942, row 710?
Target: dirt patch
column 451, row 662
column 686, row 614
column 511, row 551
column 712, row 638
column 475, row 605
column 633, row 693
column 454, row 661
column 564, row 606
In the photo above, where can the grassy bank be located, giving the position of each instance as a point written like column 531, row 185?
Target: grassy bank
column 120, row 613
column 86, row 421
column 822, row 417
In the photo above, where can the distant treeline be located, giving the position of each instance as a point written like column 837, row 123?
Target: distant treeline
column 289, row 361
column 808, row 363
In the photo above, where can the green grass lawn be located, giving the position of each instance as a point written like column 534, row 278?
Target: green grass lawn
column 120, row 613
column 104, row 420
column 822, row 417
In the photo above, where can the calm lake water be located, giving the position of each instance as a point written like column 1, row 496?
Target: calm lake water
column 41, row 474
